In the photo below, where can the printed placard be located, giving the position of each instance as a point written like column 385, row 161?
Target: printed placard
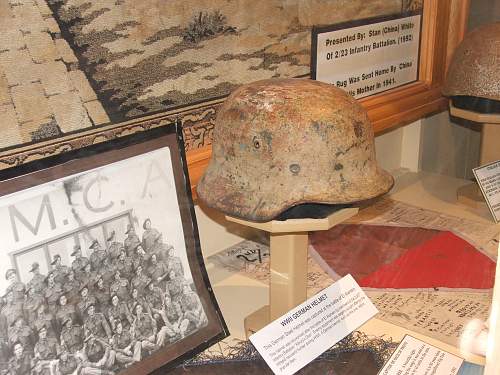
column 368, row 56
column 488, row 178
column 415, row 357
column 298, row 337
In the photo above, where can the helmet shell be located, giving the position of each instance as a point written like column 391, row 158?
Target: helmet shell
column 475, row 66
column 283, row 142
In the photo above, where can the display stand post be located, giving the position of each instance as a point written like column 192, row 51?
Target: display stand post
column 490, row 150
column 288, row 264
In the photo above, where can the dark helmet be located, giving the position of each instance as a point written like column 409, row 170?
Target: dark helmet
column 474, row 71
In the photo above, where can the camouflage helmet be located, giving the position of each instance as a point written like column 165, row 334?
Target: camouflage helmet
column 283, row 142
column 475, row 67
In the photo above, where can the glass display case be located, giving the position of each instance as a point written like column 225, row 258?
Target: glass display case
column 75, row 75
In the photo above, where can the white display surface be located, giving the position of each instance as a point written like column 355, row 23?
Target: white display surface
column 370, row 58
column 298, row 337
column 488, row 177
column 415, row 357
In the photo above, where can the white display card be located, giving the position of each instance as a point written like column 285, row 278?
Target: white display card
column 415, row 357
column 368, row 58
column 298, row 337
column 488, row 178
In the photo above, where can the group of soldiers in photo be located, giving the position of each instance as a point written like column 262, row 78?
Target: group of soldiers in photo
column 98, row 315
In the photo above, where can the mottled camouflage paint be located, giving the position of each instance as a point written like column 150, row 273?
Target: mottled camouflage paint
column 475, row 68
column 282, row 142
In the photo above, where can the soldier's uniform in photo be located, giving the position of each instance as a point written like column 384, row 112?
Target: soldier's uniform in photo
column 68, row 365
column 145, row 330
column 71, row 289
column 114, row 250
column 17, row 288
column 107, row 271
column 131, row 241
column 151, row 237
column 127, row 349
column 80, row 262
column 139, row 282
column 101, row 295
column 20, row 365
column 53, row 292
column 47, row 350
column 139, row 300
column 158, row 271
column 97, row 358
column 157, row 302
column 4, row 326
column 121, row 288
column 64, row 312
column 96, row 325
column 5, row 354
column 172, row 316
column 175, row 286
column 120, row 313
column 174, row 263
column 114, row 247
column 60, row 271
column 98, row 255
column 20, row 332
column 45, row 319
column 85, row 302
column 172, row 313
column 166, row 250
column 192, row 311
column 154, row 297
column 139, row 260
column 12, row 310
column 31, row 305
column 125, row 266
column 72, row 336
column 87, row 277
column 37, row 282
column 166, row 334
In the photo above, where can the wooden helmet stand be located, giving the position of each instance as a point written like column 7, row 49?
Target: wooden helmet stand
column 288, row 264
column 490, row 149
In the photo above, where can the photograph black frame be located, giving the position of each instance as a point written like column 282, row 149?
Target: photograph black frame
column 38, row 172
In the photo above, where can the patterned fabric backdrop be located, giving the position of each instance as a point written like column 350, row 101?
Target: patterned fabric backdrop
column 70, row 65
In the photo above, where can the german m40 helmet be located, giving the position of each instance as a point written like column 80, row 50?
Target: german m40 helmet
column 283, row 142
column 474, row 71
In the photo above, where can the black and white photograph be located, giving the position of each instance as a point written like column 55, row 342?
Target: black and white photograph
column 96, row 275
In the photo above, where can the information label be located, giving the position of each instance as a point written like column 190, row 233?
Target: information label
column 298, row 337
column 488, row 177
column 415, row 357
column 367, row 58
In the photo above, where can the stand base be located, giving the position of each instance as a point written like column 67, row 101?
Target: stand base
column 288, row 263
column 470, row 195
column 257, row 320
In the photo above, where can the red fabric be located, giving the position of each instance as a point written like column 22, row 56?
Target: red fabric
column 443, row 261
column 362, row 249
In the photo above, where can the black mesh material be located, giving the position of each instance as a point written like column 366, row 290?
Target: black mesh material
column 356, row 354
column 472, row 103
column 311, row 211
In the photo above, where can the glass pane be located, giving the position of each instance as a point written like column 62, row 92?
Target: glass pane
column 63, row 247
column 88, row 236
column 26, row 259
column 118, row 225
